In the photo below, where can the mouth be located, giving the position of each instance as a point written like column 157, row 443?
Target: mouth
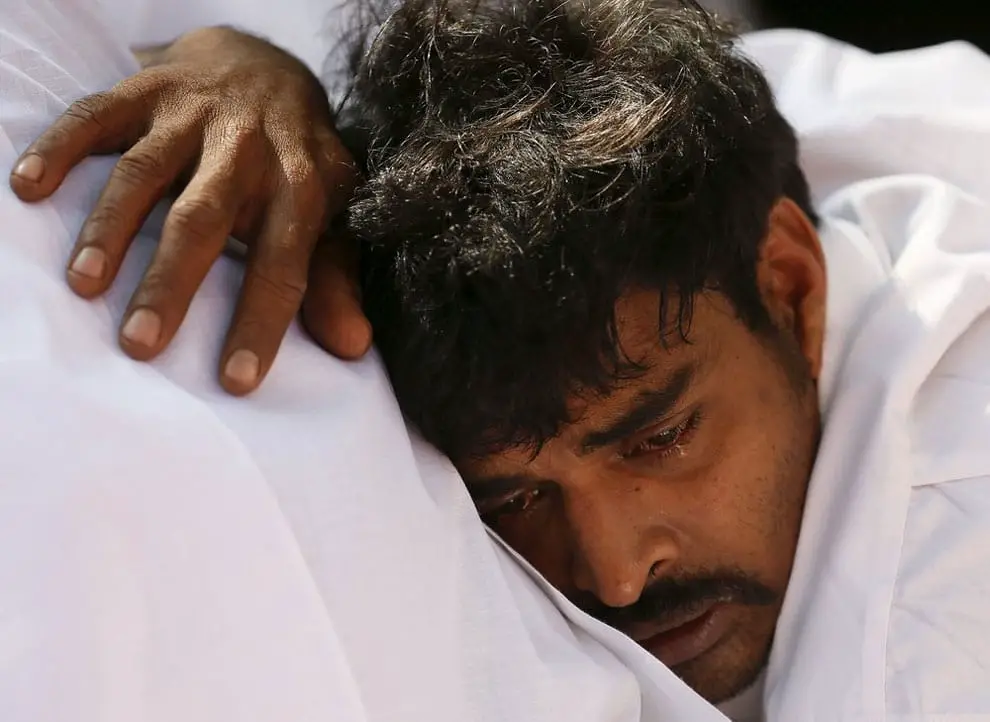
column 687, row 636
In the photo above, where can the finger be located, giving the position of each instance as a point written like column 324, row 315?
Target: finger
column 140, row 179
column 274, row 285
column 194, row 235
column 332, row 310
column 338, row 168
column 101, row 123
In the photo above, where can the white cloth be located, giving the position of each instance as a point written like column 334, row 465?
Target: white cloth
column 169, row 553
column 887, row 616
column 310, row 29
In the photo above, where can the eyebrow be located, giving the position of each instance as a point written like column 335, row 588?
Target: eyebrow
column 649, row 407
column 489, row 487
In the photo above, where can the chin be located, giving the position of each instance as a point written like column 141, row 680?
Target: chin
column 732, row 666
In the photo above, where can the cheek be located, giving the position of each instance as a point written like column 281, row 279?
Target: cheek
column 788, row 428
column 746, row 507
column 542, row 540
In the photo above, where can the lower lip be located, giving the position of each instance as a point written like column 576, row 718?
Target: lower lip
column 684, row 643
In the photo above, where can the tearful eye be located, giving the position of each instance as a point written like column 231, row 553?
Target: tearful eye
column 519, row 503
column 667, row 441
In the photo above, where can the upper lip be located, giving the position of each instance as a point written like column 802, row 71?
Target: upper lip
column 643, row 632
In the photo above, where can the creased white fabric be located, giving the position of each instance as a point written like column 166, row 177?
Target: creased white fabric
column 170, row 553
column 887, row 615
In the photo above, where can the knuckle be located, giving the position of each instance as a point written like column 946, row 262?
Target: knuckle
column 306, row 192
column 159, row 288
column 198, row 218
column 89, row 109
column 281, row 282
column 242, row 136
column 102, row 221
column 142, row 164
column 151, row 80
column 302, row 174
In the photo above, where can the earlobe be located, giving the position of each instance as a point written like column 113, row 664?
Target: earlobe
column 792, row 278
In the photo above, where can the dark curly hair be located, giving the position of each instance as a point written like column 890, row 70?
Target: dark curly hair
column 529, row 161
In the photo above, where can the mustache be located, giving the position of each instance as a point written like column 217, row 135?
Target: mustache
column 676, row 596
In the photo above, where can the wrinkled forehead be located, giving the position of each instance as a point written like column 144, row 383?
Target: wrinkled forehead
column 670, row 366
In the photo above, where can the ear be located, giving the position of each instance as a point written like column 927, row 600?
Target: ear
column 792, row 279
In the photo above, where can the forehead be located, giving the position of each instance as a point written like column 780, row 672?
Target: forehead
column 649, row 339
column 658, row 347
column 666, row 360
column 668, row 363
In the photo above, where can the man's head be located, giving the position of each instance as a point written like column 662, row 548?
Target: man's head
column 594, row 278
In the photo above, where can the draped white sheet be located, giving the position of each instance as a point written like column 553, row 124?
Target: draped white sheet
column 170, row 553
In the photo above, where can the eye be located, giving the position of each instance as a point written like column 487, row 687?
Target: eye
column 521, row 502
column 667, row 441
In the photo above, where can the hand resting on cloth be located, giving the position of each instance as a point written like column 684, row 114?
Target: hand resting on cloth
column 245, row 133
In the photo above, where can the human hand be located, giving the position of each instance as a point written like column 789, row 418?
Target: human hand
column 247, row 134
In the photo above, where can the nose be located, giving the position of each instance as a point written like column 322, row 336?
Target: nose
column 617, row 549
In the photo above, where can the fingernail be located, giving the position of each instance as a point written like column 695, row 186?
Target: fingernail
column 243, row 368
column 31, row 168
column 143, row 328
column 90, row 262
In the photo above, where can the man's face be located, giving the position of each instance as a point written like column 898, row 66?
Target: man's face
column 671, row 508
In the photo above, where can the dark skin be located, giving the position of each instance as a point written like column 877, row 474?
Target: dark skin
column 241, row 135
column 692, row 473
column 682, row 488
